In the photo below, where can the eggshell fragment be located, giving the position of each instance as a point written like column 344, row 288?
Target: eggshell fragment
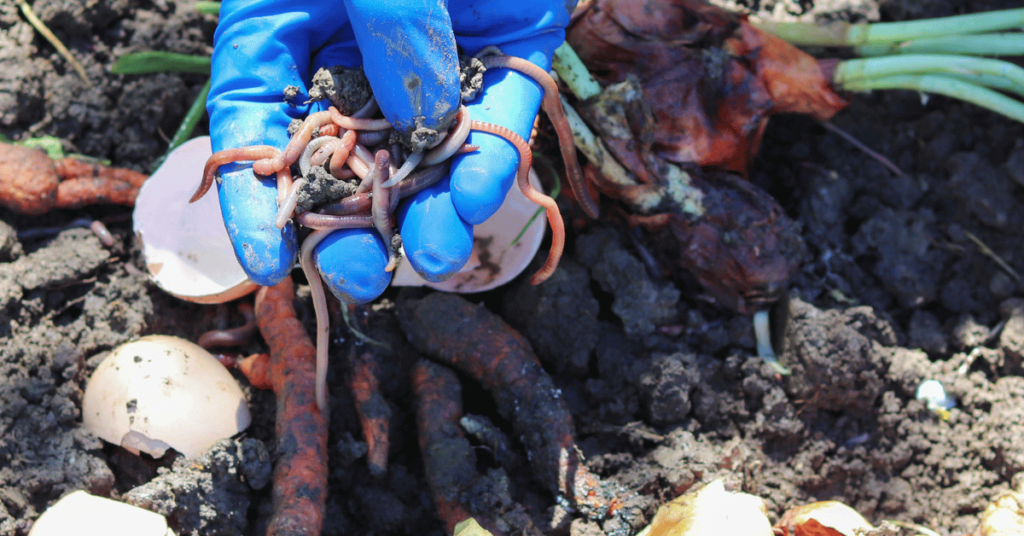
column 163, row 392
column 712, row 511
column 81, row 513
column 495, row 259
column 185, row 245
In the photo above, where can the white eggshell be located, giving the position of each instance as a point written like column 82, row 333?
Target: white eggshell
column 163, row 392
column 494, row 261
column 186, row 246
column 81, row 513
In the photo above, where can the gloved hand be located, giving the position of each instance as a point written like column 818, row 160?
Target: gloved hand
column 408, row 51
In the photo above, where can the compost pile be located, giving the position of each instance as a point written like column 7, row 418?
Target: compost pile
column 665, row 388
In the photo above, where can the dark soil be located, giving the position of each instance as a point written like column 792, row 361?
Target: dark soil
column 665, row 388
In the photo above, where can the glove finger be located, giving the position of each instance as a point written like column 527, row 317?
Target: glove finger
column 437, row 241
column 352, row 263
column 410, row 59
column 481, row 179
column 249, row 207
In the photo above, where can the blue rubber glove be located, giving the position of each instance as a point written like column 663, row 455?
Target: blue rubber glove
column 408, row 51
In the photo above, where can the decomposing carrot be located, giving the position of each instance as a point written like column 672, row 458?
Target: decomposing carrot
column 477, row 342
column 300, row 469
column 448, row 458
column 31, row 183
column 374, row 412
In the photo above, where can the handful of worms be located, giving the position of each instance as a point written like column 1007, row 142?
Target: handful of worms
column 356, row 150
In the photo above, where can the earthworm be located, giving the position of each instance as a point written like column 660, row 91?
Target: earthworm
column 329, row 130
column 381, row 205
column 331, row 222
column 234, row 336
column 367, row 110
column 316, row 291
column 410, row 164
column 295, row 146
column 228, row 156
column 284, row 184
column 416, row 182
column 287, row 208
column 356, row 123
column 553, row 107
column 523, row 178
column 374, row 137
column 361, row 159
column 100, row 230
column 339, row 150
column 312, row 149
column 453, row 142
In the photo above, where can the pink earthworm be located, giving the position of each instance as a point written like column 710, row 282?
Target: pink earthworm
column 228, row 156
column 453, row 142
column 410, row 164
column 523, row 179
column 316, row 291
column 295, row 146
column 331, row 222
column 416, row 182
column 381, row 205
column 99, row 229
column 356, row 123
column 287, row 208
column 553, row 107
column 342, row 149
column 233, row 336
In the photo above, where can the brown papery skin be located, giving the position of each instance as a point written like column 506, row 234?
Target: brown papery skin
column 710, row 79
column 300, row 468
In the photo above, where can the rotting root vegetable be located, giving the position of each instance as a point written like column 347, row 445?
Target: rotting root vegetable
column 300, row 467
column 471, row 339
column 32, row 183
column 370, row 184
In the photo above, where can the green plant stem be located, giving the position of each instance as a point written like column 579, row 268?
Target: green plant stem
column 160, row 62
column 208, row 8
column 573, row 73
column 995, row 44
column 61, row 49
column 188, row 125
column 942, row 85
column 989, row 81
column 851, row 70
column 846, row 34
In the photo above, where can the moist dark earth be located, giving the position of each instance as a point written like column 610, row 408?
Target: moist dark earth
column 665, row 388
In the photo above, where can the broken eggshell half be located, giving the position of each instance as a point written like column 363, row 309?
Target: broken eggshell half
column 185, row 245
column 161, row 392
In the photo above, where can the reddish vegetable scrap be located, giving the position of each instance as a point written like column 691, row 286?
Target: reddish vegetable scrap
column 477, row 342
column 300, row 468
column 32, row 183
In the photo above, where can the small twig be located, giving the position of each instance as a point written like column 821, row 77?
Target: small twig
column 985, row 250
column 41, row 28
column 863, row 148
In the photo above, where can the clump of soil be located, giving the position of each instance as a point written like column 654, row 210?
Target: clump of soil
column 665, row 387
